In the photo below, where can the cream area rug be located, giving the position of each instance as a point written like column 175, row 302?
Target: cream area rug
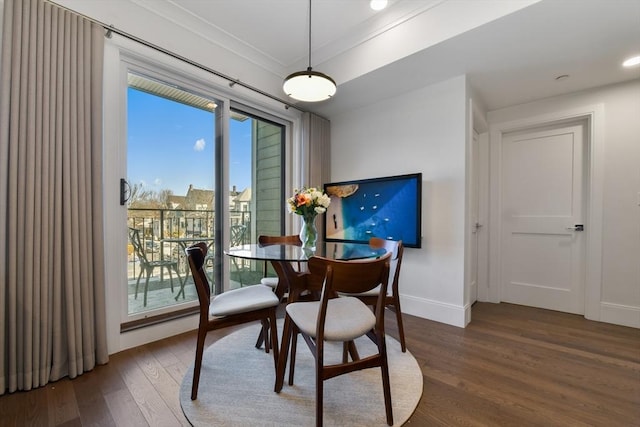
column 236, row 387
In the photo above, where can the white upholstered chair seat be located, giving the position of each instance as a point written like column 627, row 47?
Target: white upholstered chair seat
column 272, row 282
column 347, row 318
column 242, row 300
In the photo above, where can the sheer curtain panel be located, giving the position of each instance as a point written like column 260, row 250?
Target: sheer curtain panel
column 52, row 321
column 316, row 140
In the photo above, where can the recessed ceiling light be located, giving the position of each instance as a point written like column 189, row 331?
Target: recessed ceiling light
column 378, row 4
column 635, row 60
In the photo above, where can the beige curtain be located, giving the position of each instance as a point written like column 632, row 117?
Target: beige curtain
column 51, row 234
column 316, row 142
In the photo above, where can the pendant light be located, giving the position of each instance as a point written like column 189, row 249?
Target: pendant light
column 309, row 85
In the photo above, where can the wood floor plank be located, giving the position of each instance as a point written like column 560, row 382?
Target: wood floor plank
column 148, row 398
column 109, row 379
column 63, row 403
column 12, row 406
column 92, row 406
column 168, row 388
column 34, row 408
column 446, row 408
column 124, row 409
column 177, row 371
column 162, row 351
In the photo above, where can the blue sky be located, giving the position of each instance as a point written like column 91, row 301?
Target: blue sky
column 171, row 145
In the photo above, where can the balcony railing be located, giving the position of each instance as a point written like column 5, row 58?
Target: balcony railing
column 155, row 225
column 158, row 230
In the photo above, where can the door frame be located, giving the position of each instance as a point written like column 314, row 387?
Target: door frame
column 478, row 168
column 594, row 116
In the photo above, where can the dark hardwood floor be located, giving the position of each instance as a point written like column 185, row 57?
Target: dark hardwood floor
column 512, row 366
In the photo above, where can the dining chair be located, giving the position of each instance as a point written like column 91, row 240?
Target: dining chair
column 392, row 299
column 272, row 282
column 235, row 307
column 265, row 240
column 148, row 265
column 341, row 319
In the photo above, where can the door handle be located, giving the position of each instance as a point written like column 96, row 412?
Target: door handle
column 125, row 191
column 577, row 227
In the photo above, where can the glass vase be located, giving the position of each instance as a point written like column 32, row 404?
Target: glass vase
column 309, row 233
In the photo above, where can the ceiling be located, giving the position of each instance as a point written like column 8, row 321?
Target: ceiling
column 511, row 51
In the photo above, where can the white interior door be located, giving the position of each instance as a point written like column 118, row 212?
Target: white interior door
column 542, row 244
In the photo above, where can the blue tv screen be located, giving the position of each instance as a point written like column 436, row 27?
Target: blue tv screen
column 388, row 207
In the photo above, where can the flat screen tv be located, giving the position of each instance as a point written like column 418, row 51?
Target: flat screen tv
column 388, row 207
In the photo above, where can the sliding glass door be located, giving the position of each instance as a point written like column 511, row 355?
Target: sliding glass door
column 178, row 157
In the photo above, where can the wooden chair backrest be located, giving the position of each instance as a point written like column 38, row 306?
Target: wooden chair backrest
column 351, row 277
column 397, row 250
column 293, row 239
column 265, row 240
column 196, row 255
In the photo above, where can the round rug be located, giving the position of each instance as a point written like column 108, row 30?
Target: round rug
column 237, row 380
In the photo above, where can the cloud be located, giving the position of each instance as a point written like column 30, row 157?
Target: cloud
column 158, row 182
column 199, row 145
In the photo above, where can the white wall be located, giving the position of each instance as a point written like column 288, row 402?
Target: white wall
column 620, row 279
column 421, row 131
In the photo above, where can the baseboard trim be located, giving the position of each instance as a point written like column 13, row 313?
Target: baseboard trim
column 438, row 311
column 619, row 314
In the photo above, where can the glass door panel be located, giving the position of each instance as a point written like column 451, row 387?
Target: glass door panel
column 256, row 178
column 170, row 168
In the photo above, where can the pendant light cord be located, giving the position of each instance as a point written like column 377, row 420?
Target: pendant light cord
column 309, row 68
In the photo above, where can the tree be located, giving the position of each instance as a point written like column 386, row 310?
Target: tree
column 143, row 198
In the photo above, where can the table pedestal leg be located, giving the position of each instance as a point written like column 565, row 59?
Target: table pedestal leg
column 294, row 283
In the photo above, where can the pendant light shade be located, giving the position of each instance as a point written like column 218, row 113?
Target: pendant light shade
column 309, row 85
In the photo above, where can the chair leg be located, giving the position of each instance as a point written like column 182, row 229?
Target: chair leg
column 182, row 285
column 146, row 288
column 294, row 346
column 403, row 346
column 274, row 338
column 264, row 333
column 260, row 339
column 283, row 352
column 202, row 333
column 386, row 385
column 349, row 349
column 170, row 278
column 138, row 282
column 319, row 382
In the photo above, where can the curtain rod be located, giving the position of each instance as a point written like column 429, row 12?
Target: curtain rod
column 232, row 82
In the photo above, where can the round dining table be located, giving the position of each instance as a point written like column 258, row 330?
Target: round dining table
column 293, row 282
column 282, row 256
